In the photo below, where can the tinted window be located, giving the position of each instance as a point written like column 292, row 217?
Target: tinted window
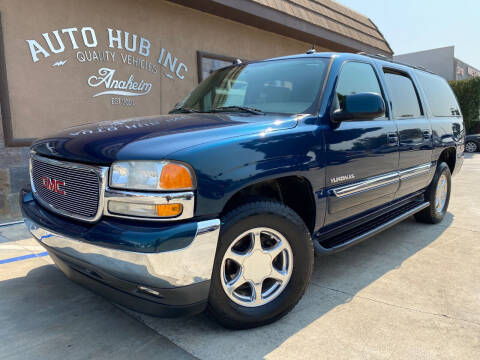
column 356, row 78
column 288, row 86
column 439, row 95
column 403, row 95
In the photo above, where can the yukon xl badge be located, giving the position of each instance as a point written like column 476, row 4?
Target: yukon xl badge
column 342, row 178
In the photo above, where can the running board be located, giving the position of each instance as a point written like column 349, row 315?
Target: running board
column 362, row 232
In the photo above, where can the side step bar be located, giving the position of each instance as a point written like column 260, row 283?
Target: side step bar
column 376, row 226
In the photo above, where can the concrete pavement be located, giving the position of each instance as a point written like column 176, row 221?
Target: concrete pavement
column 43, row 315
column 410, row 292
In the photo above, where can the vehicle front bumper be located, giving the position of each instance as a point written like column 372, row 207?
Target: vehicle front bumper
column 171, row 282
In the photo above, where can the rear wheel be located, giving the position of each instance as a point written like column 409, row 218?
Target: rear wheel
column 262, row 267
column 471, row 147
column 438, row 194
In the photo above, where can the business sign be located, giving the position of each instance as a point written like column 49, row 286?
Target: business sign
column 122, row 48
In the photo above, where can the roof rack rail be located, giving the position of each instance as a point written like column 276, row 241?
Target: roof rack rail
column 385, row 58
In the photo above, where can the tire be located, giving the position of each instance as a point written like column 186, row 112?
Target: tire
column 280, row 228
column 442, row 180
column 471, row 146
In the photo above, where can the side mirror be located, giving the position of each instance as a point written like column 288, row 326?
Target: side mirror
column 363, row 106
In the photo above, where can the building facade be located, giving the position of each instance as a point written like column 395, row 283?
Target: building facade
column 64, row 62
column 441, row 61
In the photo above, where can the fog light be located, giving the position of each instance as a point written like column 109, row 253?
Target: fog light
column 144, row 210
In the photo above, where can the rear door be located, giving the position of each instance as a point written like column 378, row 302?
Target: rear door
column 362, row 155
column 414, row 129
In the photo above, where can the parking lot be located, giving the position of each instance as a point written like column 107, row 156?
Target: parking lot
column 410, row 292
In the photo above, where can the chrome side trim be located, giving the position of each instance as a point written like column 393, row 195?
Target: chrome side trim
column 187, row 199
column 169, row 269
column 100, row 171
column 371, row 183
column 417, row 170
column 379, row 181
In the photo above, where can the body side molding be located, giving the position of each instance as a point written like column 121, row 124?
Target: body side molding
column 379, row 181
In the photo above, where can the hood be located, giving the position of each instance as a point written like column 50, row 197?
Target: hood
column 154, row 137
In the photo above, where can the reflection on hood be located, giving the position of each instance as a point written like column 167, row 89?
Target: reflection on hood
column 153, row 137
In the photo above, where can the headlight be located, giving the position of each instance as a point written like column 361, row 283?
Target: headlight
column 151, row 176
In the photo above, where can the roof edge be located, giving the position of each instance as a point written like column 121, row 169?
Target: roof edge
column 272, row 20
column 384, row 39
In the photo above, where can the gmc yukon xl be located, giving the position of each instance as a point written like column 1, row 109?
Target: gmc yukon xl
column 222, row 203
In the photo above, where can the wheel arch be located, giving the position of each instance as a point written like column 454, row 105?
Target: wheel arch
column 449, row 156
column 294, row 191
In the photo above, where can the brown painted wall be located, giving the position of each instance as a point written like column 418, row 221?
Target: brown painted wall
column 44, row 97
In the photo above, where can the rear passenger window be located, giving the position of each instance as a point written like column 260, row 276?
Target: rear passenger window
column 356, row 78
column 404, row 97
column 439, row 95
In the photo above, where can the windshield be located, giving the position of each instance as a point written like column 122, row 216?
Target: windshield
column 289, row 86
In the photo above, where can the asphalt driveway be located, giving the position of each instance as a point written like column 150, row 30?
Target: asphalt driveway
column 410, row 292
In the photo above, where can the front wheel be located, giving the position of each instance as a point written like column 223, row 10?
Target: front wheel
column 438, row 194
column 262, row 267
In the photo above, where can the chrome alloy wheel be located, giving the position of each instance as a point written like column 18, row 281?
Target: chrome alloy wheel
column 441, row 194
column 470, row 147
column 256, row 267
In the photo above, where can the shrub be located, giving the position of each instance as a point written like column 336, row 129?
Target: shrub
column 468, row 95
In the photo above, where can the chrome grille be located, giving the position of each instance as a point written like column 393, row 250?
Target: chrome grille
column 82, row 187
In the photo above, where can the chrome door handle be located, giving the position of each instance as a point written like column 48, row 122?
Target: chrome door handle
column 392, row 138
column 426, row 134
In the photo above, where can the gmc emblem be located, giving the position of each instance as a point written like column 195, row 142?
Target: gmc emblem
column 53, row 185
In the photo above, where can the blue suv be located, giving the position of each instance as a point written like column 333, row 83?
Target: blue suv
column 223, row 203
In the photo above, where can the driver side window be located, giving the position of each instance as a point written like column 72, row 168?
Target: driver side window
column 355, row 78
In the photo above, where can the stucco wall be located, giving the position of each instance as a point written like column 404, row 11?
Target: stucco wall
column 13, row 175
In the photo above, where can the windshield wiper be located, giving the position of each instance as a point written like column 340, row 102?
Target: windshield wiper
column 243, row 108
column 184, row 110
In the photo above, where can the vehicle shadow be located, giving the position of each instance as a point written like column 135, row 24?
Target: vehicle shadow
column 44, row 293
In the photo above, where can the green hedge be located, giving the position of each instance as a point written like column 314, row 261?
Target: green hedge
column 468, row 95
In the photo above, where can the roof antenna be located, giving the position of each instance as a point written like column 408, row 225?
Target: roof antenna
column 312, row 50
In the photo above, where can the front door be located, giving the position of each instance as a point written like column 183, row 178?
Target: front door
column 414, row 130
column 362, row 155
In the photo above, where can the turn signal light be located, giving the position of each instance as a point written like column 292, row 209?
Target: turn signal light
column 169, row 210
column 175, row 176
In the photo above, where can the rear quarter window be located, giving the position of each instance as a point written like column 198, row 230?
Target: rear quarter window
column 439, row 95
